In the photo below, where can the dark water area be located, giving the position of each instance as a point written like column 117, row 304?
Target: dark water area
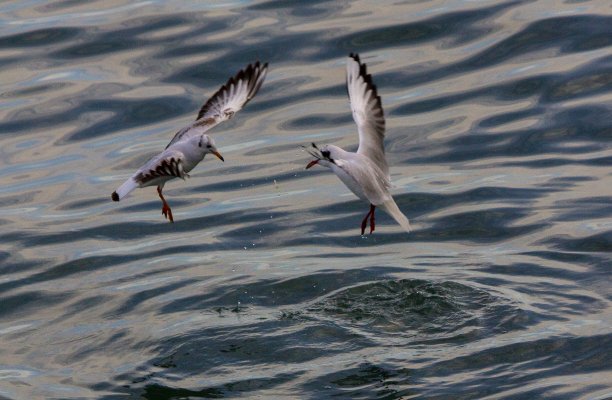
column 499, row 140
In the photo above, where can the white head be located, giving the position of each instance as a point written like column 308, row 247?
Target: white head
column 324, row 156
column 206, row 145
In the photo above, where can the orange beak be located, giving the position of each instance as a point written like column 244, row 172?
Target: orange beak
column 219, row 156
column 310, row 164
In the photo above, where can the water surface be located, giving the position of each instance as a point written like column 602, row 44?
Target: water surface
column 498, row 137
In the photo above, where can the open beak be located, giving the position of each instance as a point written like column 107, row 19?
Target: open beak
column 310, row 164
column 314, row 154
column 219, row 156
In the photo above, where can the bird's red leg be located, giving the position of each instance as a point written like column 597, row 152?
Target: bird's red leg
column 365, row 221
column 165, row 207
column 372, row 219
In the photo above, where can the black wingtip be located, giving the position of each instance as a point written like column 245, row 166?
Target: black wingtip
column 260, row 65
column 363, row 71
column 115, row 196
column 367, row 78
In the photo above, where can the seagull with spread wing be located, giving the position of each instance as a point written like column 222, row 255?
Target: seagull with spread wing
column 365, row 172
column 190, row 144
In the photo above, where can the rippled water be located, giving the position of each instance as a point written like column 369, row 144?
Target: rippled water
column 499, row 132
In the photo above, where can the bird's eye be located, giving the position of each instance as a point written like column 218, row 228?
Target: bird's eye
column 325, row 154
column 209, row 146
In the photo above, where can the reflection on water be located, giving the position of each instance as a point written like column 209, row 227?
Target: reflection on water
column 499, row 145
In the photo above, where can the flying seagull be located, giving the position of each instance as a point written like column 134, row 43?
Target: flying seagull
column 365, row 172
column 190, row 144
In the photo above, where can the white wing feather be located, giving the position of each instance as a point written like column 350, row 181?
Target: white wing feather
column 367, row 112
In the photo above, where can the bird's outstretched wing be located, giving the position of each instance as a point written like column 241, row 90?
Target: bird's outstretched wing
column 367, row 112
column 227, row 101
column 235, row 93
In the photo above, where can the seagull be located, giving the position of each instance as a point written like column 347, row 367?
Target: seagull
column 365, row 172
column 190, row 144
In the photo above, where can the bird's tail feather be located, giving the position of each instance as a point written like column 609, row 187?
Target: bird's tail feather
column 391, row 208
column 124, row 189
